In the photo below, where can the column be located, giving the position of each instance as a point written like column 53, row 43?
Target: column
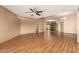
column 37, row 26
column 62, row 25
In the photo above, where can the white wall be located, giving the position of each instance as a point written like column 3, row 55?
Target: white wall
column 9, row 25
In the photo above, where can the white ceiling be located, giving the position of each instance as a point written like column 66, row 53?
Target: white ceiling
column 49, row 10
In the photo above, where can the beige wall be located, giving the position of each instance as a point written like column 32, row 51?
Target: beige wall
column 41, row 24
column 78, row 25
column 9, row 25
column 27, row 27
column 70, row 24
column 30, row 26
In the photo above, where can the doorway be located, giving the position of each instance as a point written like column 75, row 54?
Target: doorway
column 51, row 27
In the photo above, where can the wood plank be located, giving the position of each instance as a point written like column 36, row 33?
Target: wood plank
column 38, row 43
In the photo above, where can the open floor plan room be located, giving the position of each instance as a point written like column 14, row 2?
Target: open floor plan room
column 39, row 29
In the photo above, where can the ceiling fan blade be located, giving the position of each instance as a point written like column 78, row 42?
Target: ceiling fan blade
column 39, row 11
column 31, row 10
column 38, row 14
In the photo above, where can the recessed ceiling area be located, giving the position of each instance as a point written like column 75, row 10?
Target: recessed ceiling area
column 49, row 10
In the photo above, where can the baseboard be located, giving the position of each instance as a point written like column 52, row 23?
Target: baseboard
column 9, row 39
column 68, row 33
column 31, row 33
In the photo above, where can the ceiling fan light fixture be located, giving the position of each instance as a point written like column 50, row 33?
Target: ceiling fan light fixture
column 35, row 12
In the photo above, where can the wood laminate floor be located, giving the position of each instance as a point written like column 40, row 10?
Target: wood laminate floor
column 42, row 42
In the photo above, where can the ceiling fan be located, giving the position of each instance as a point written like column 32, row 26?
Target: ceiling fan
column 34, row 11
